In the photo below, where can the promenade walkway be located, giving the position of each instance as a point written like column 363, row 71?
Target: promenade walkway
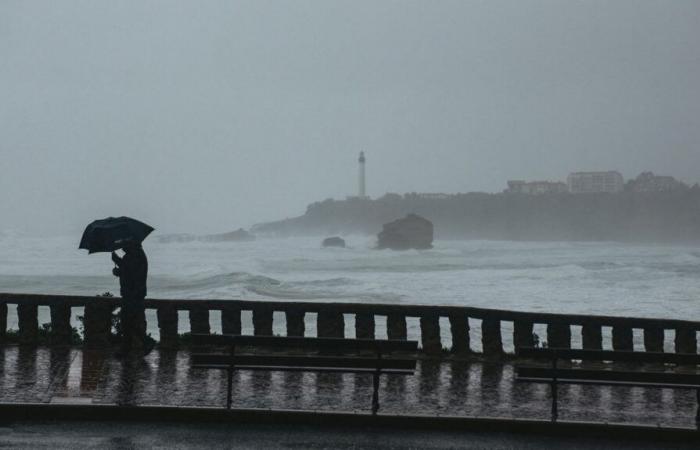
column 451, row 388
column 129, row 435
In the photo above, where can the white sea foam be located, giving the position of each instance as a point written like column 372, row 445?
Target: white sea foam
column 569, row 277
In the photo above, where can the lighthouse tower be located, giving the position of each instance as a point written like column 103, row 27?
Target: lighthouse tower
column 361, row 181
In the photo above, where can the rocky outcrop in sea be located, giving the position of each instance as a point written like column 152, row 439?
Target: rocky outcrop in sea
column 334, row 241
column 411, row 232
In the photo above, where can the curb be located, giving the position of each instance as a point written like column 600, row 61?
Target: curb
column 33, row 412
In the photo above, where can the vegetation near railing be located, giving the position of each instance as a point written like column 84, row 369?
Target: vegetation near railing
column 330, row 322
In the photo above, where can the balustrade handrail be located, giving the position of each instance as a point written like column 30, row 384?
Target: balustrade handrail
column 330, row 322
column 363, row 308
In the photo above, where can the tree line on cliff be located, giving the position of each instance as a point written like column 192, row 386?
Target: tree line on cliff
column 671, row 216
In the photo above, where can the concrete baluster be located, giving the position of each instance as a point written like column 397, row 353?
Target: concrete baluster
column 430, row 333
column 61, row 331
column 28, row 323
column 167, row 324
column 295, row 322
column 459, row 328
column 558, row 335
column 654, row 339
column 3, row 321
column 199, row 320
column 396, row 326
column 491, row 339
column 364, row 326
column 98, row 323
column 262, row 321
column 592, row 336
column 330, row 324
column 622, row 338
column 522, row 334
column 686, row 341
column 231, row 320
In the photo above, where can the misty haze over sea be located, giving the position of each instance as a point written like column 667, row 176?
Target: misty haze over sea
column 211, row 116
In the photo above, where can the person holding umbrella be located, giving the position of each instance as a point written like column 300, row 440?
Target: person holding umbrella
column 108, row 235
column 132, row 270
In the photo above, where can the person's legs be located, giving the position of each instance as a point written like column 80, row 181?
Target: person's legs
column 136, row 325
column 146, row 344
column 133, row 325
column 125, row 326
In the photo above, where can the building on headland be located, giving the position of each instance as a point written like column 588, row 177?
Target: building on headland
column 595, row 182
column 434, row 196
column 536, row 187
column 648, row 182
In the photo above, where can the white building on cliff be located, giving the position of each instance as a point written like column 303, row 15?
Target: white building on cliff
column 595, row 182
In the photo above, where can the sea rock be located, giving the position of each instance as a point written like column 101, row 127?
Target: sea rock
column 334, row 241
column 413, row 231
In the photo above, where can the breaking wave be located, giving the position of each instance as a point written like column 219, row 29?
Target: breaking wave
column 600, row 278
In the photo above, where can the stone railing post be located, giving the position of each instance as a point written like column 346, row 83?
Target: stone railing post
column 330, row 324
column 522, row 334
column 97, row 322
column 231, row 320
column 167, row 324
column 199, row 320
column 491, row 340
column 61, row 331
column 28, row 323
column 654, row 339
column 262, row 320
column 364, row 326
column 295, row 322
column 622, row 338
column 396, row 326
column 3, row 321
column 686, row 341
column 430, row 333
column 558, row 335
column 459, row 328
column 592, row 336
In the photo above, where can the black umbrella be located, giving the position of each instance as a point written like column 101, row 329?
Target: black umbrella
column 109, row 234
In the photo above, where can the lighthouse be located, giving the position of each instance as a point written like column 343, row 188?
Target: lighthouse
column 361, row 180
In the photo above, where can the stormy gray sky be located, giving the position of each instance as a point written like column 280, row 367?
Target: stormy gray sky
column 211, row 115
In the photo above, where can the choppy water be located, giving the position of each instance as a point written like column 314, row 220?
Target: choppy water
column 568, row 277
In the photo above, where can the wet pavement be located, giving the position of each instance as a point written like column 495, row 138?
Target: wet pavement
column 456, row 388
column 113, row 436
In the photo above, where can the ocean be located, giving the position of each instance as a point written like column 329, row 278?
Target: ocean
column 608, row 278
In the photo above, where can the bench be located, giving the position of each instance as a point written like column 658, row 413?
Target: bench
column 328, row 355
column 553, row 375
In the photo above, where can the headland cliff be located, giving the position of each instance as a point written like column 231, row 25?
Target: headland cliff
column 672, row 216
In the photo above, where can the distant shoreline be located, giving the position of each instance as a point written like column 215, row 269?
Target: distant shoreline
column 635, row 217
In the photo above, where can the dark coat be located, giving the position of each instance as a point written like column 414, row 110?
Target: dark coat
column 132, row 271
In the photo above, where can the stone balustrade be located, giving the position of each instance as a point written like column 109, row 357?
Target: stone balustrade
column 331, row 318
